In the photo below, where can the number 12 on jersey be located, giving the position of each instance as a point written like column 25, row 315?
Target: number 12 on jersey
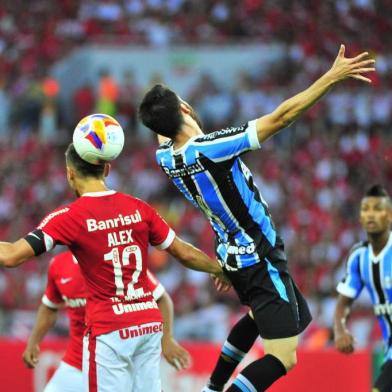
column 119, row 262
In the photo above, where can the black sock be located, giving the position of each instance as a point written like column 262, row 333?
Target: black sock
column 259, row 374
column 384, row 380
column 240, row 340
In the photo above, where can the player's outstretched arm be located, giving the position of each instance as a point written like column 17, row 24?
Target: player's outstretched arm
column 287, row 112
column 174, row 353
column 193, row 258
column 15, row 253
column 344, row 341
column 46, row 317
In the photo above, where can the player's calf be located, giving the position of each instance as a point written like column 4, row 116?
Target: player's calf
column 238, row 343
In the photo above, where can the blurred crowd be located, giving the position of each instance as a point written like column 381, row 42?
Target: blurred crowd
column 312, row 175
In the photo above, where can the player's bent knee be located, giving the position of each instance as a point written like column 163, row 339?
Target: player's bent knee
column 284, row 350
column 290, row 361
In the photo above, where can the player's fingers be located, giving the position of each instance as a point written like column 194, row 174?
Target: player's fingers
column 176, row 363
column 359, row 57
column 347, row 349
column 185, row 358
column 28, row 360
column 363, row 70
column 363, row 64
column 342, row 49
column 182, row 362
column 360, row 77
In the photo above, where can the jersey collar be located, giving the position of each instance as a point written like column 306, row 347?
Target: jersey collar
column 98, row 194
column 380, row 256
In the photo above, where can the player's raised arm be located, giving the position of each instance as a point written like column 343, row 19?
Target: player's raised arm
column 344, row 341
column 13, row 254
column 46, row 317
column 287, row 112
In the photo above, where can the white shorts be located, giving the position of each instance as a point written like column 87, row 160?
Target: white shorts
column 126, row 360
column 65, row 379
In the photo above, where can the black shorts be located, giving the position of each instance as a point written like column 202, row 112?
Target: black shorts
column 278, row 307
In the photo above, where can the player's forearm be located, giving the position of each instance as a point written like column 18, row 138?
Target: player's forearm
column 193, row 258
column 342, row 313
column 199, row 261
column 165, row 305
column 45, row 320
column 291, row 109
column 6, row 255
column 14, row 254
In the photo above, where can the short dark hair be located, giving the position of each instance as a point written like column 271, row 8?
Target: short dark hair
column 377, row 190
column 83, row 168
column 160, row 111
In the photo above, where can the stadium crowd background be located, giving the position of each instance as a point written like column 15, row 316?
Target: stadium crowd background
column 312, row 175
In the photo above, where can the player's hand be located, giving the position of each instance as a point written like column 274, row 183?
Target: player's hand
column 344, row 342
column 175, row 354
column 30, row 356
column 344, row 67
column 221, row 285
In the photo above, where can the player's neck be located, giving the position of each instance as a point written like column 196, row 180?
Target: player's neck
column 89, row 186
column 378, row 241
column 187, row 131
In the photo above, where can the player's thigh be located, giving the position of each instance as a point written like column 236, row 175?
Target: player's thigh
column 146, row 364
column 66, row 379
column 280, row 346
column 278, row 308
column 105, row 363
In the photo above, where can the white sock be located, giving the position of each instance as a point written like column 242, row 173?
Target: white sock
column 206, row 389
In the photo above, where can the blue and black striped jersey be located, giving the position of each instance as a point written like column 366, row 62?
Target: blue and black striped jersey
column 210, row 174
column 364, row 269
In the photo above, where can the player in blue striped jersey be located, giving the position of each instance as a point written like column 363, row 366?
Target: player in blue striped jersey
column 369, row 266
column 208, row 170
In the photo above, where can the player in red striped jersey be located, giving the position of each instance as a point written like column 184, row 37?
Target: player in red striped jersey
column 109, row 233
column 66, row 289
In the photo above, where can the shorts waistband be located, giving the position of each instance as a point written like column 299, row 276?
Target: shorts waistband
column 140, row 330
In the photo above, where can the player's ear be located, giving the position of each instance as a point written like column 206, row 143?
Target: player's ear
column 184, row 108
column 106, row 170
column 70, row 174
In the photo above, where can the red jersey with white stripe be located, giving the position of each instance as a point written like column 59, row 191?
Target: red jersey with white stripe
column 66, row 288
column 109, row 234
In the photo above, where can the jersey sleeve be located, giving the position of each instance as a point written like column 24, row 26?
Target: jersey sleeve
column 52, row 297
column 156, row 287
column 352, row 284
column 161, row 234
column 59, row 227
column 228, row 143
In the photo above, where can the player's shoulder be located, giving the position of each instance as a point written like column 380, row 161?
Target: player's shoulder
column 58, row 212
column 221, row 133
column 135, row 201
column 358, row 248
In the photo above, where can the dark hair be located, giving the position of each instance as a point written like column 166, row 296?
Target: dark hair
column 83, row 168
column 160, row 111
column 376, row 190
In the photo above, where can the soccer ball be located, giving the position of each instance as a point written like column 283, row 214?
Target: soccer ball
column 98, row 138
